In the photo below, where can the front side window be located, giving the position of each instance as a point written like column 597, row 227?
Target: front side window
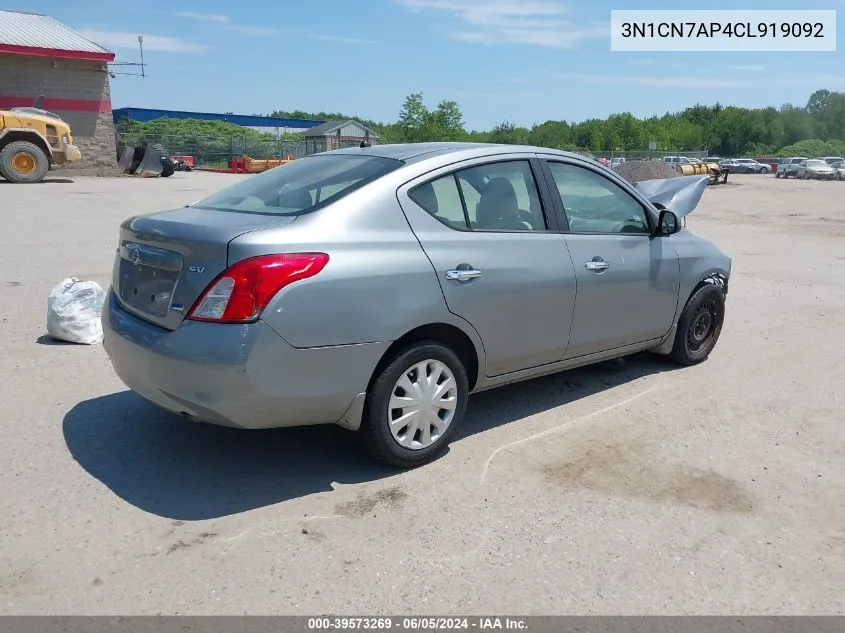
column 302, row 186
column 595, row 204
column 500, row 196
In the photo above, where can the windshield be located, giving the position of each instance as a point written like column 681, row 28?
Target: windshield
column 816, row 163
column 302, row 186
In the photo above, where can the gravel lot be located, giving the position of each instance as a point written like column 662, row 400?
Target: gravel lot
column 632, row 487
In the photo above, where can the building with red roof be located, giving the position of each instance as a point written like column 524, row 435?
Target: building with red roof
column 40, row 56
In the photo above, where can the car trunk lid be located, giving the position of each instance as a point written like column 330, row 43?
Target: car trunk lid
column 166, row 260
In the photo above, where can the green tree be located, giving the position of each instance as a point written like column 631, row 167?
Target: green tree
column 553, row 134
column 508, row 134
column 447, row 122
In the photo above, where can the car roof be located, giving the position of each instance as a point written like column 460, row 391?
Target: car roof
column 415, row 152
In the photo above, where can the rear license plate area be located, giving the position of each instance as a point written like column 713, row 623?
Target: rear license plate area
column 147, row 277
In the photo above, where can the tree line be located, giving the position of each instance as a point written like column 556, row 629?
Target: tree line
column 814, row 129
column 717, row 129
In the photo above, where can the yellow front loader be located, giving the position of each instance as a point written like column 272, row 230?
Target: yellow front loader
column 32, row 140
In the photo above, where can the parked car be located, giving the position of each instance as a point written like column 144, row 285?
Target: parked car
column 833, row 159
column 675, row 161
column 839, row 169
column 730, row 166
column 750, row 166
column 377, row 288
column 615, row 162
column 815, row 168
column 790, row 167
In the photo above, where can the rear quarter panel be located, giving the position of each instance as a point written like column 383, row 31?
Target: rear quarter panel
column 377, row 286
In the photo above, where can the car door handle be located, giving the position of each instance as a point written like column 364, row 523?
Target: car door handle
column 596, row 266
column 463, row 275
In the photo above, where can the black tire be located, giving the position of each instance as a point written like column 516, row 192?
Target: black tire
column 375, row 436
column 167, row 168
column 33, row 155
column 699, row 326
column 764, row 170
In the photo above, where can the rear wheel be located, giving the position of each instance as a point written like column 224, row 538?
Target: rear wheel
column 414, row 405
column 699, row 326
column 23, row 162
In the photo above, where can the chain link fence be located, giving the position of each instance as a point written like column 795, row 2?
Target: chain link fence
column 218, row 151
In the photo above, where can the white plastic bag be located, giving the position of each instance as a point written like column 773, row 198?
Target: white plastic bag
column 74, row 310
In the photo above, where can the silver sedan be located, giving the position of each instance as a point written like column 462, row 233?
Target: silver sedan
column 376, row 288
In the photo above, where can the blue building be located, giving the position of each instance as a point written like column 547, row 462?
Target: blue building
column 269, row 125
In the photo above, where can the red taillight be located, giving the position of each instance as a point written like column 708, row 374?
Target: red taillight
column 242, row 291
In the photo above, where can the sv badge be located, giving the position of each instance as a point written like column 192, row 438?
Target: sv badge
column 196, row 269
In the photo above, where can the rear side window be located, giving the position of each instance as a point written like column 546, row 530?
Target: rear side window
column 442, row 200
column 302, row 186
column 499, row 196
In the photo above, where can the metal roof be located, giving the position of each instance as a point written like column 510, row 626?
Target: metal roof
column 149, row 114
column 41, row 35
column 330, row 126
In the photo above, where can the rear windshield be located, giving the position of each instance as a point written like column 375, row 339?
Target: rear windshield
column 302, row 186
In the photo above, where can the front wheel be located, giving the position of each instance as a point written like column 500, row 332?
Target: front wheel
column 23, row 162
column 699, row 326
column 765, row 170
column 414, row 405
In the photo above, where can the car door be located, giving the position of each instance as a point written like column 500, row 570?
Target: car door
column 486, row 227
column 627, row 279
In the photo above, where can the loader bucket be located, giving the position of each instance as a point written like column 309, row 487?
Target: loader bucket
column 125, row 160
column 150, row 165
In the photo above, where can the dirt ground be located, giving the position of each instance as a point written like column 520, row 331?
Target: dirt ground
column 631, row 487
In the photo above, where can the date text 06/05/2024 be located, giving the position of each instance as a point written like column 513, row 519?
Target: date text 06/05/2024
column 718, row 29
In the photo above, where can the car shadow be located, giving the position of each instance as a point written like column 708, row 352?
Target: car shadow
column 163, row 465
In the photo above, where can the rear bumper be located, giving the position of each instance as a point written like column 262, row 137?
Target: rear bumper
column 243, row 376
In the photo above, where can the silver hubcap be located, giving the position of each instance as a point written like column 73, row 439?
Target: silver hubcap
column 422, row 404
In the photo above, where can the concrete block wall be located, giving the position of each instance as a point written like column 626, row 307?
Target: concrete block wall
column 76, row 90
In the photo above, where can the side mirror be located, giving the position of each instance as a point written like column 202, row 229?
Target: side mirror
column 668, row 223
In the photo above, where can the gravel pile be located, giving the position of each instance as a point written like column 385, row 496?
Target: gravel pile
column 639, row 170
